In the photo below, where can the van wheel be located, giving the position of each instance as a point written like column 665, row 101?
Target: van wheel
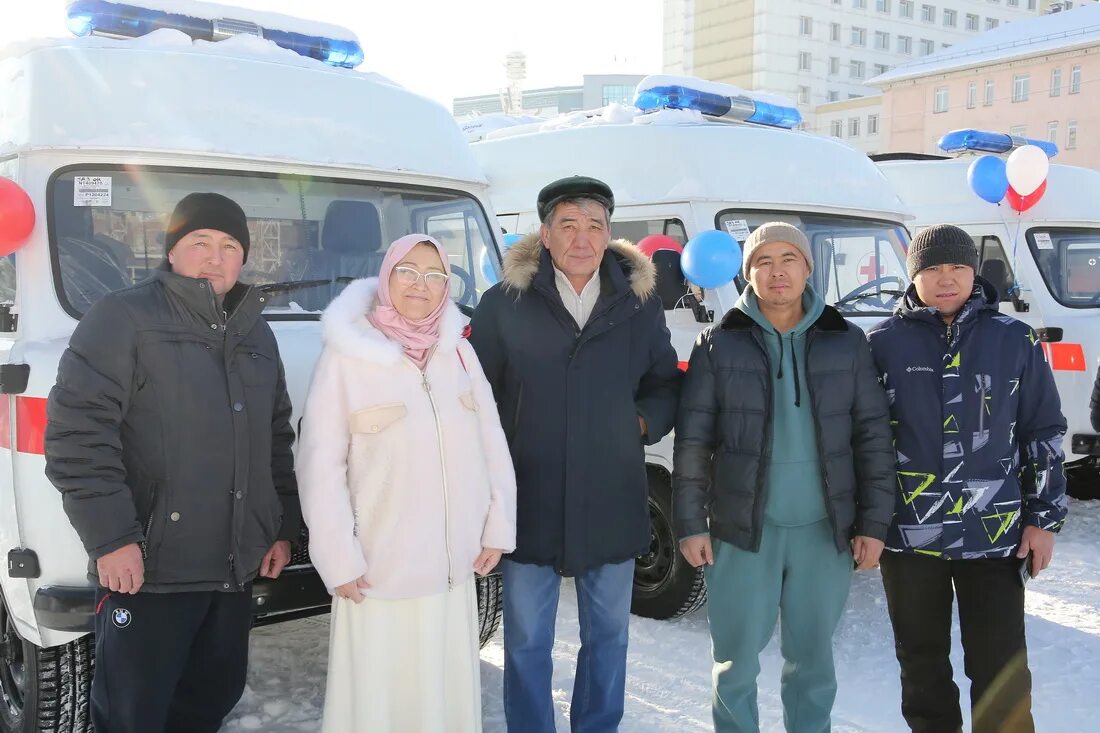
column 43, row 689
column 490, row 605
column 665, row 584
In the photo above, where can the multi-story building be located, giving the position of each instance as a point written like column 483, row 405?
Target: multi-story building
column 819, row 51
column 597, row 90
column 1039, row 79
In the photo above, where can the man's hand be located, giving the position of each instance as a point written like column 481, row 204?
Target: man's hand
column 122, row 571
column 275, row 559
column 866, row 551
column 353, row 590
column 487, row 560
column 698, row 550
column 1040, row 543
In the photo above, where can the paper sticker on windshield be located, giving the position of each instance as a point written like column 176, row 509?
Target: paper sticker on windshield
column 92, row 191
column 1043, row 241
column 738, row 229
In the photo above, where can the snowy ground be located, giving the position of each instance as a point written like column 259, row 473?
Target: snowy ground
column 668, row 683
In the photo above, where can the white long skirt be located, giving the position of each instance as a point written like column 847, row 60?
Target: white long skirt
column 405, row 666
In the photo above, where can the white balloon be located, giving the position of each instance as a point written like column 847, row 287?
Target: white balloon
column 1026, row 169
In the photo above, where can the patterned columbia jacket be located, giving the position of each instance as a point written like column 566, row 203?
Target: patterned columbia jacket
column 977, row 429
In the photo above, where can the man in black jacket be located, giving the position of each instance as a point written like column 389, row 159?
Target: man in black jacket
column 783, row 477
column 576, row 348
column 169, row 438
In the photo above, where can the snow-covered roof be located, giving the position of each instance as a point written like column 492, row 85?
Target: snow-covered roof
column 242, row 97
column 1077, row 28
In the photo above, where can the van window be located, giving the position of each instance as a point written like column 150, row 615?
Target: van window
column 995, row 267
column 1069, row 260
column 7, row 279
column 635, row 231
column 309, row 236
column 859, row 264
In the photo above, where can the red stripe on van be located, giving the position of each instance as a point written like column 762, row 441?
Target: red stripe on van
column 1066, row 357
column 5, row 421
column 30, row 425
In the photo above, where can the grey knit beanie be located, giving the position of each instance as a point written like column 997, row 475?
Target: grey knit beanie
column 774, row 231
column 940, row 244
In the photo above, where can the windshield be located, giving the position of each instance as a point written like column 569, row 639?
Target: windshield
column 309, row 236
column 1069, row 260
column 859, row 264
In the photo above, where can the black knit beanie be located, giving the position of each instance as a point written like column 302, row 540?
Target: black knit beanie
column 940, row 244
column 207, row 211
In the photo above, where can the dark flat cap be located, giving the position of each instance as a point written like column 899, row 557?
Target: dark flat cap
column 574, row 187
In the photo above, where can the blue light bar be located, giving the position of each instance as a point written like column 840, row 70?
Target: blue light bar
column 985, row 141
column 740, row 107
column 104, row 18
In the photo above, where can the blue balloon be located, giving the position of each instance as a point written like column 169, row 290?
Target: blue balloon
column 509, row 239
column 711, row 259
column 487, row 270
column 988, row 179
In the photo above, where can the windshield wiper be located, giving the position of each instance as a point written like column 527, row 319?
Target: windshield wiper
column 870, row 294
column 292, row 285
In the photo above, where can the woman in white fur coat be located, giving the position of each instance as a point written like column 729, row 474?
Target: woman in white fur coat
column 407, row 487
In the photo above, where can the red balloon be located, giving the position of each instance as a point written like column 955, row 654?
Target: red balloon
column 16, row 216
column 1023, row 203
column 654, row 242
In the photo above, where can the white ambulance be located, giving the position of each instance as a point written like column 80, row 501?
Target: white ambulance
column 1045, row 262
column 696, row 156
column 104, row 135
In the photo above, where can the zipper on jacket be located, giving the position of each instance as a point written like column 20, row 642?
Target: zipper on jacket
column 443, row 466
column 149, row 525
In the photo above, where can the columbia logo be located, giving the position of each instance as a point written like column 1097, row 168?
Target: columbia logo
column 919, row 369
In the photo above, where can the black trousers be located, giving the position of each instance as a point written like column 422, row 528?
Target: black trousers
column 173, row 662
column 919, row 592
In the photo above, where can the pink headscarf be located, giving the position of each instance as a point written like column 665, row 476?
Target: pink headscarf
column 416, row 337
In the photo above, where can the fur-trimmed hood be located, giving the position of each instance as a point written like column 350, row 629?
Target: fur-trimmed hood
column 345, row 326
column 521, row 264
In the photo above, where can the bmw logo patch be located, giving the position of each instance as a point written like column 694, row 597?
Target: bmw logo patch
column 121, row 618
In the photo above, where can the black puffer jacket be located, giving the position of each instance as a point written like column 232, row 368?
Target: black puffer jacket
column 569, row 401
column 723, row 434
column 169, row 426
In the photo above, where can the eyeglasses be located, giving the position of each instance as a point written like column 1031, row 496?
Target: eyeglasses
column 409, row 277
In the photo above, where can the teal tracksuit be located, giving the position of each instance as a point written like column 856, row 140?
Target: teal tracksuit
column 797, row 576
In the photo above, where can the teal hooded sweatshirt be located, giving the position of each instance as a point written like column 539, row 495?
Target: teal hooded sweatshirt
column 796, row 494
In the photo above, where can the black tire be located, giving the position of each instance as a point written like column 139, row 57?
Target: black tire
column 43, row 690
column 490, row 605
column 665, row 584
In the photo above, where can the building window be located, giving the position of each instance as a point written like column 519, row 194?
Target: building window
column 905, row 44
column 803, row 95
column 1075, row 79
column 872, row 124
column 882, row 41
column 856, row 69
column 833, row 96
column 859, row 4
column 950, row 18
column 1052, row 132
column 905, row 8
column 1021, row 87
column 883, row 6
column 991, row 23
column 1056, row 82
column 834, row 32
column 927, row 47
column 1013, row 3
column 618, row 94
column 1071, row 134
column 881, row 69
column 972, row 22
column 836, row 128
column 853, row 127
column 928, row 13
column 1018, row 131
column 834, row 64
column 806, row 25
column 988, row 93
column 940, row 104
column 972, row 95
column 1031, row 4
column 859, row 36
column 805, row 61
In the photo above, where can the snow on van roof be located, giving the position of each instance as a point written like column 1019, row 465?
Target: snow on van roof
column 1033, row 36
column 243, row 97
column 262, row 18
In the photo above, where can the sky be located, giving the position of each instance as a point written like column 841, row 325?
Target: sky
column 443, row 49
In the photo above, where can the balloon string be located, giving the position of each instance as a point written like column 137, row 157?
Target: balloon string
column 1015, row 239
